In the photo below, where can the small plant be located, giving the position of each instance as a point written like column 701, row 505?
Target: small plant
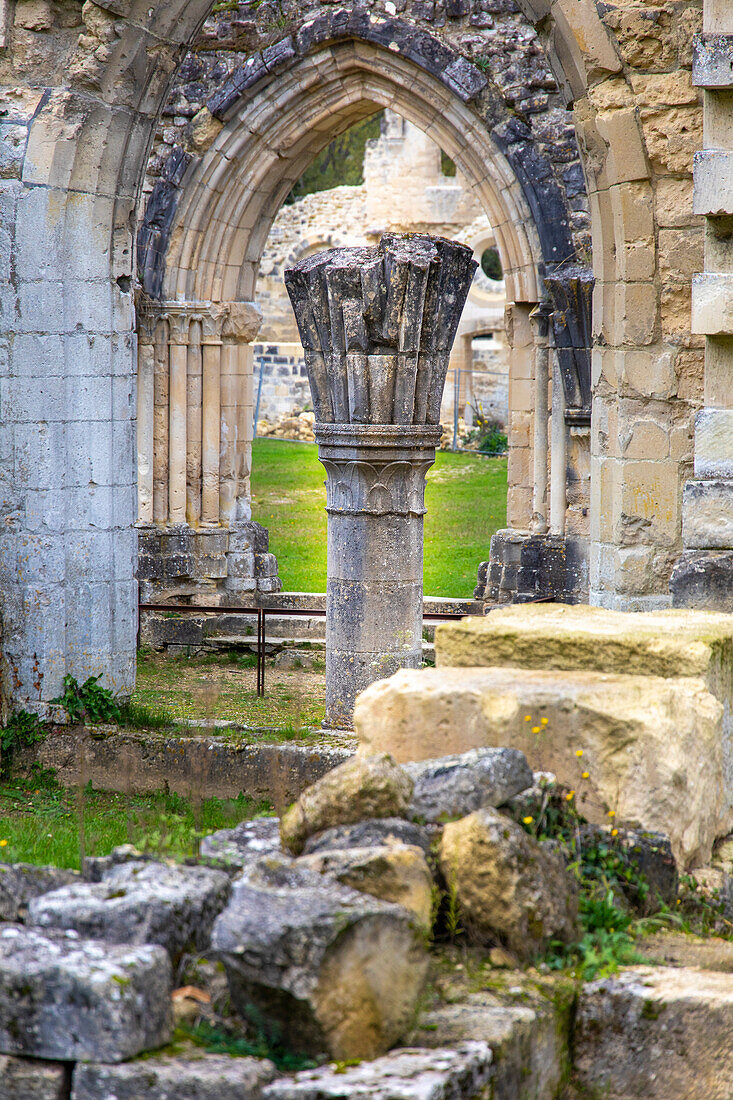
column 145, row 718
column 23, row 729
column 266, row 1042
column 88, row 701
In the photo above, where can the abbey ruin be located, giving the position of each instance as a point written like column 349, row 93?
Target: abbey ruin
column 425, row 846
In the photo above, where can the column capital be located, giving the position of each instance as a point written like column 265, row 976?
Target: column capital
column 178, row 315
column 377, row 326
column 242, row 322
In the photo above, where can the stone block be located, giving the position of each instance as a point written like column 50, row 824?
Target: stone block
column 210, row 1077
column 338, row 971
column 582, row 638
column 711, row 61
column 657, row 1032
column 138, row 903
column 713, row 174
column 453, row 786
column 244, row 844
column 32, row 1079
column 703, row 580
column 21, row 882
column 409, row 1074
column 370, row 833
column 68, row 999
column 712, row 304
column 656, row 750
column 714, row 443
column 707, row 515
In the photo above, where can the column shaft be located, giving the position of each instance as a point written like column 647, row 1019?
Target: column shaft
column 160, row 423
column 210, row 432
column 193, row 426
column 145, row 422
column 177, row 418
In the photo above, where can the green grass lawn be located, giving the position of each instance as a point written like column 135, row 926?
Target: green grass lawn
column 466, row 502
column 43, row 823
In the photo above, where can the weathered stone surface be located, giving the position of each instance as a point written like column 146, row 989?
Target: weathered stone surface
column 361, row 788
column 369, row 834
column 657, row 751
column 508, row 886
column 31, row 1079
column 340, row 971
column 410, row 1074
column 527, row 1027
column 656, row 1032
column 20, row 882
column 236, row 848
column 210, row 1077
column 138, row 903
column 393, row 872
column 453, row 786
column 65, row 999
column 556, row 636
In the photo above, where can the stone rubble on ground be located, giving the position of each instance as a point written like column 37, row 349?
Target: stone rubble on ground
column 398, row 873
column 67, row 999
column 661, row 1033
column 362, row 787
column 234, row 849
column 208, row 1077
column 508, row 886
column 340, row 970
column 21, row 882
column 138, row 903
column 409, row 1074
column 371, row 833
column 454, row 786
column 32, row 1079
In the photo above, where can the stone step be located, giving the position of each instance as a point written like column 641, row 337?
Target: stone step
column 654, row 749
column 659, row 1032
column 560, row 636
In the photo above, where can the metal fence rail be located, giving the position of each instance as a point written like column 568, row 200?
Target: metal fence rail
column 261, row 613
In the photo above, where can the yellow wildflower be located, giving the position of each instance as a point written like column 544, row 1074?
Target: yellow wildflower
column 585, row 775
column 528, row 820
column 578, row 753
column 528, row 717
column 570, row 796
column 535, row 729
column 614, row 832
column 611, row 813
column 3, row 843
column 544, row 721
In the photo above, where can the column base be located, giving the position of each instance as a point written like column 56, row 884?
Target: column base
column 703, row 580
column 524, row 567
column 216, row 566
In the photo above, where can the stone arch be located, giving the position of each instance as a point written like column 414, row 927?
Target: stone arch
column 80, row 120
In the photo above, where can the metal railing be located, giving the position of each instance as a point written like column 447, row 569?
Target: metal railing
column 261, row 613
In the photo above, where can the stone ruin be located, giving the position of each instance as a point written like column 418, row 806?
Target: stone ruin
column 377, row 327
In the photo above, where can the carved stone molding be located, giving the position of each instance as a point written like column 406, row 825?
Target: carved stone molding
column 571, row 292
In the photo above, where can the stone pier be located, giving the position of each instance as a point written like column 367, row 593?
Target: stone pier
column 377, row 326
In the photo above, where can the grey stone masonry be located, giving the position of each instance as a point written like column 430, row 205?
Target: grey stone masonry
column 377, row 325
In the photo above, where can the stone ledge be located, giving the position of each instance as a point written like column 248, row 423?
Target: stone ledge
column 713, row 182
column 707, row 515
column 712, row 61
column 712, row 304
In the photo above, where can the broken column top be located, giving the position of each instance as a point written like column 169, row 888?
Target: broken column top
column 377, row 326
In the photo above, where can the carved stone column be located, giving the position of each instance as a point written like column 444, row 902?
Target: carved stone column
column 377, row 326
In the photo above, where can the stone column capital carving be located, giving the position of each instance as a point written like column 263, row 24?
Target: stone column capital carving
column 178, row 315
column 377, row 326
column 376, row 471
column 213, row 318
column 242, row 322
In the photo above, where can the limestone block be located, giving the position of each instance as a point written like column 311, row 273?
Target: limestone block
column 707, row 515
column 714, row 442
column 139, row 903
column 31, row 1079
column 528, row 1040
column 673, row 202
column 703, row 579
column 393, row 872
column 409, row 1074
column 363, row 787
column 713, row 193
column 453, row 786
column 370, row 833
column 69, row 999
column 656, row 750
column 657, row 1032
column 582, row 638
column 244, row 844
column 338, row 970
column 20, row 882
column 711, row 62
column 508, row 886
column 712, row 304
column 211, row 1077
